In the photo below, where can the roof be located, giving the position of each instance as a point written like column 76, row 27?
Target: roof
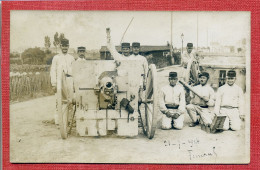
column 144, row 48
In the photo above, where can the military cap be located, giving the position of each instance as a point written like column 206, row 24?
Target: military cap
column 125, row 45
column 64, row 41
column 204, row 74
column 173, row 75
column 190, row 45
column 231, row 73
column 135, row 44
column 81, row 48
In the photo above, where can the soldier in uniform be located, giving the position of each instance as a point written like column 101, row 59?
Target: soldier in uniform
column 230, row 102
column 81, row 53
column 199, row 107
column 189, row 62
column 125, row 48
column 60, row 62
column 137, row 56
column 172, row 103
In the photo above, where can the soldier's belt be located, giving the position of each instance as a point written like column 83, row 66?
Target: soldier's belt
column 170, row 106
column 204, row 106
column 228, row 107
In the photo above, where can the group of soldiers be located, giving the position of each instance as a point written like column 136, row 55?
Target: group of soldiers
column 173, row 104
column 204, row 105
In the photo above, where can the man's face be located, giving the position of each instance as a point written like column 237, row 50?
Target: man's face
column 231, row 80
column 203, row 80
column 136, row 50
column 189, row 49
column 126, row 51
column 81, row 54
column 173, row 81
column 64, row 48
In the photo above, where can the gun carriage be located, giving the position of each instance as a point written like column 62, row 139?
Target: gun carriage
column 103, row 98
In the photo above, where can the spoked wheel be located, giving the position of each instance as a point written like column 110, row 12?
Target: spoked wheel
column 65, row 107
column 151, row 103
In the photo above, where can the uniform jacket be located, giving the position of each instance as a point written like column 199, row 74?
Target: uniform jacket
column 60, row 62
column 230, row 96
column 172, row 95
column 204, row 91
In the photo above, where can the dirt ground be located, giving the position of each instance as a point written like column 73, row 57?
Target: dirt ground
column 33, row 141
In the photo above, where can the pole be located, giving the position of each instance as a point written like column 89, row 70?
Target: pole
column 182, row 46
column 126, row 30
column 197, row 31
column 171, row 35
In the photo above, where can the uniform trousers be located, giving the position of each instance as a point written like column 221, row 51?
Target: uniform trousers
column 197, row 113
column 232, row 120
column 177, row 123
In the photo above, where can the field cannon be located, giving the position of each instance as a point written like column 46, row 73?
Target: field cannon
column 104, row 97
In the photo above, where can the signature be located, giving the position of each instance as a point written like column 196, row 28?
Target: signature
column 193, row 155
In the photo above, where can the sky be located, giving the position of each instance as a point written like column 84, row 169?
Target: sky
column 88, row 28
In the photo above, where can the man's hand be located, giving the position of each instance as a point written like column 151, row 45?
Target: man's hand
column 171, row 114
column 108, row 35
column 242, row 117
column 54, row 89
column 206, row 99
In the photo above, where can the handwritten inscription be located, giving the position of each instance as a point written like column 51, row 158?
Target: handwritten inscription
column 192, row 147
column 193, row 155
column 190, row 143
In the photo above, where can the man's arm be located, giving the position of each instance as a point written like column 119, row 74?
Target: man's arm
column 111, row 47
column 182, row 101
column 218, row 102
column 53, row 71
column 163, row 108
column 211, row 101
column 241, row 106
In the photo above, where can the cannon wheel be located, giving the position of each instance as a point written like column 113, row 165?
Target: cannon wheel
column 65, row 108
column 151, row 103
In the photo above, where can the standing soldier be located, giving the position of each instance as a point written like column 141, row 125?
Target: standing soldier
column 81, row 53
column 172, row 103
column 230, row 102
column 189, row 61
column 199, row 107
column 125, row 48
column 61, row 62
column 136, row 56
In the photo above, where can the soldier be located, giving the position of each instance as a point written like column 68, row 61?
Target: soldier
column 137, row 56
column 230, row 102
column 125, row 48
column 81, row 53
column 172, row 103
column 188, row 55
column 190, row 65
column 199, row 107
column 60, row 62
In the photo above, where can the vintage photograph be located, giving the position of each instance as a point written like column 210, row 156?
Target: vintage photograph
column 163, row 87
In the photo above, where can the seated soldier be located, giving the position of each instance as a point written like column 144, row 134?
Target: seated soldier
column 199, row 107
column 172, row 103
column 230, row 102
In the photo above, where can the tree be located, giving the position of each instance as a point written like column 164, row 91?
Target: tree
column 33, row 56
column 47, row 42
column 56, row 41
column 62, row 36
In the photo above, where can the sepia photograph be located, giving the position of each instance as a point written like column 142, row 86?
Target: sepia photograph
column 159, row 87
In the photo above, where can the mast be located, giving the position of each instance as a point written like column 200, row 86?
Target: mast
column 197, row 31
column 171, row 35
